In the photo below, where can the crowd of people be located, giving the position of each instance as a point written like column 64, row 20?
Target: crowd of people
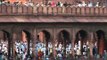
column 4, row 50
column 58, row 4
column 45, row 51
column 42, row 50
column 21, row 50
column 83, row 50
column 58, row 50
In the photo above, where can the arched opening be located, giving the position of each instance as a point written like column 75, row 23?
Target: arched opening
column 26, row 38
column 81, row 35
column 101, row 41
column 63, row 44
column 5, row 45
column 26, row 35
column 81, row 42
column 23, row 47
column 64, row 37
column 44, row 36
column 44, row 45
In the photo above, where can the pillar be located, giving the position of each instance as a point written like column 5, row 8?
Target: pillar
column 54, row 41
column 10, row 41
column 91, row 45
column 28, row 41
column 73, row 40
column 13, row 45
column 101, row 45
column 1, row 35
column 34, row 39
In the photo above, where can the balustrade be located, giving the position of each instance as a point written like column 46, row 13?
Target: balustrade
column 45, row 10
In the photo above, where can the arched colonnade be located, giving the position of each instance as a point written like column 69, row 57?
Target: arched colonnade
column 52, row 39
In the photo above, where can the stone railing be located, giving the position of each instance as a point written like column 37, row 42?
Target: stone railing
column 34, row 10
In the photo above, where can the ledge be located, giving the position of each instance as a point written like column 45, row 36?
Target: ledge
column 64, row 11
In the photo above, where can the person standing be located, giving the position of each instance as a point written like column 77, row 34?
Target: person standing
column 105, row 55
column 1, row 55
column 95, row 52
column 78, row 53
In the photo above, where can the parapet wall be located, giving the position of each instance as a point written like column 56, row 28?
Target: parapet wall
column 39, row 10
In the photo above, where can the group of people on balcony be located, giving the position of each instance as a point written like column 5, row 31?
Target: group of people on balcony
column 57, row 4
column 17, row 3
column 89, row 4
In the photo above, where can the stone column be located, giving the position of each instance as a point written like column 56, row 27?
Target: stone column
column 54, row 39
column 28, row 39
column 13, row 45
column 54, row 35
column 34, row 37
column 10, row 41
column 73, row 40
column 91, row 45
column 52, row 42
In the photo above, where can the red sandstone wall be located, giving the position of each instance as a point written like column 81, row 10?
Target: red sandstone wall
column 41, row 36
column 101, row 46
column 24, row 36
column 1, row 35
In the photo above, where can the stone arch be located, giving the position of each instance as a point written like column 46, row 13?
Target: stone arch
column 101, row 42
column 44, row 35
column 5, row 40
column 26, row 38
column 20, row 30
column 47, row 34
column 100, row 33
column 4, row 35
column 64, row 39
column 50, row 31
column 68, row 30
column 23, row 41
column 26, row 35
column 63, row 35
column 81, row 35
column 81, row 40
